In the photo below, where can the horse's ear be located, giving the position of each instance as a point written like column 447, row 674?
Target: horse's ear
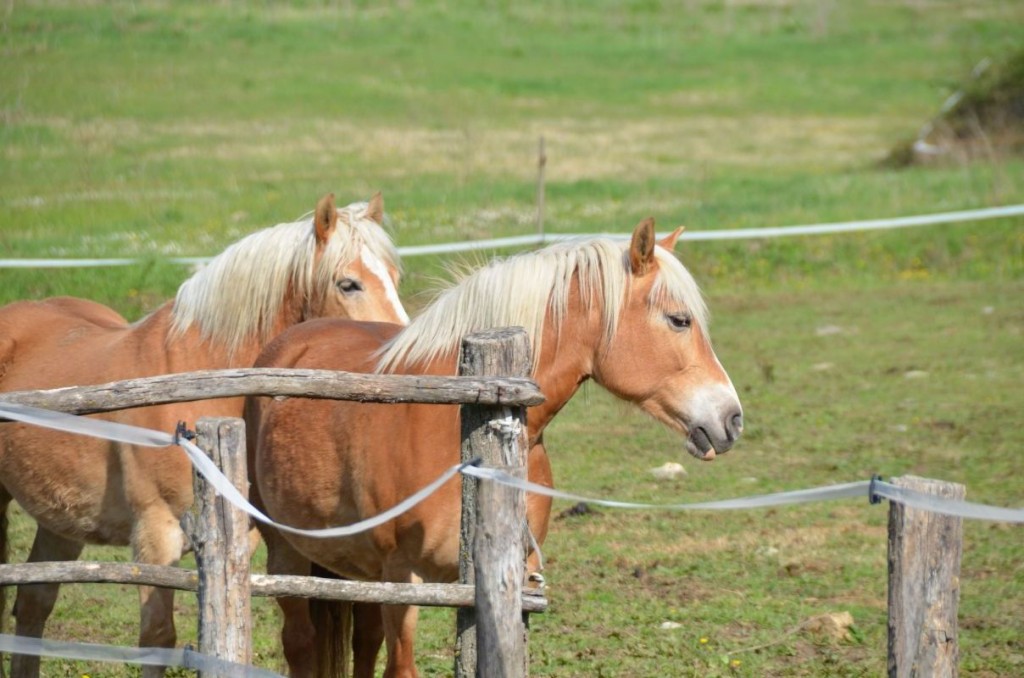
column 641, row 249
column 669, row 241
column 325, row 219
column 375, row 210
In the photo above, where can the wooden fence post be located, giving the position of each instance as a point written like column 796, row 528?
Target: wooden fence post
column 924, row 584
column 491, row 638
column 221, row 542
column 542, row 161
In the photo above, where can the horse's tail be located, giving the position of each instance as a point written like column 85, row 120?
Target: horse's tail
column 332, row 620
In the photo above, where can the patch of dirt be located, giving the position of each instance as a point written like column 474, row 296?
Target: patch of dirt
column 645, row 579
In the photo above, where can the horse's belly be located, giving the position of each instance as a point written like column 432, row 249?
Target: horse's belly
column 366, row 559
column 68, row 484
column 353, row 557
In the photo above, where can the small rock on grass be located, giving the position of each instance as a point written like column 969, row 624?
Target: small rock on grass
column 669, row 471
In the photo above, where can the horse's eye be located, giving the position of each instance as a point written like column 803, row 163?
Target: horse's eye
column 348, row 285
column 679, row 321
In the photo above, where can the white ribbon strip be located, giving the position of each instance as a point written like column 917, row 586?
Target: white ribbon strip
column 135, row 435
column 857, row 489
column 541, row 239
column 863, row 488
column 146, row 656
column 949, row 507
column 205, row 466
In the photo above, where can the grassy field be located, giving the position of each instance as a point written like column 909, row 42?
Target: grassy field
column 151, row 129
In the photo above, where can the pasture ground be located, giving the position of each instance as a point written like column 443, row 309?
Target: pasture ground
column 154, row 129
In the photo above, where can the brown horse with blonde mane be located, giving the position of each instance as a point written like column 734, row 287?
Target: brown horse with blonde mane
column 336, row 263
column 629, row 317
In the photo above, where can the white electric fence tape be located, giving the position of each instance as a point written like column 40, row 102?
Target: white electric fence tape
column 205, row 466
column 856, row 489
column 146, row 656
column 135, row 435
column 949, row 507
column 543, row 238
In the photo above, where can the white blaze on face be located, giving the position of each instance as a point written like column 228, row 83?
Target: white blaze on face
column 377, row 268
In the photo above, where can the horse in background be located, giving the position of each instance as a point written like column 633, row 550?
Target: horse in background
column 81, row 490
column 629, row 317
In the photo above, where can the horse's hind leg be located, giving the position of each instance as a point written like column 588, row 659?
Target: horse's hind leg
column 157, row 540
column 35, row 603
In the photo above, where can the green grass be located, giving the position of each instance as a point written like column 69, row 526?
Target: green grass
column 148, row 129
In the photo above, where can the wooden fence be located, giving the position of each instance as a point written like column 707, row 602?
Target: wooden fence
column 491, row 599
column 924, row 548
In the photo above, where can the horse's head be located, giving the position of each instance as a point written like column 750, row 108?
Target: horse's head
column 660, row 355
column 356, row 270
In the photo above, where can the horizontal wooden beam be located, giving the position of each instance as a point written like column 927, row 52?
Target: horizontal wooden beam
column 80, row 572
column 297, row 383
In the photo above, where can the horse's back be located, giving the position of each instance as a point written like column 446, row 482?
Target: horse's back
column 88, row 311
column 43, row 343
column 36, row 316
column 328, row 344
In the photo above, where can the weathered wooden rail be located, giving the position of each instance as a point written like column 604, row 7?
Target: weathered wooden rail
column 490, row 405
column 924, row 548
column 266, row 381
column 260, row 585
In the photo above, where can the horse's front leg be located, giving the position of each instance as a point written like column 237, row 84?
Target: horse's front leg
column 367, row 638
column 35, row 603
column 298, row 635
column 538, row 510
column 399, row 633
column 157, row 539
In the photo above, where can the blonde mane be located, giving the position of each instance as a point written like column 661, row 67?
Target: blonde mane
column 520, row 290
column 238, row 295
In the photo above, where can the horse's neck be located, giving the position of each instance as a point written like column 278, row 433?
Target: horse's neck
column 188, row 351
column 566, row 361
column 565, row 364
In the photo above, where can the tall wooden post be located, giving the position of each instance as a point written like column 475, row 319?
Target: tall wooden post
column 221, row 542
column 491, row 638
column 542, row 161
column 924, row 584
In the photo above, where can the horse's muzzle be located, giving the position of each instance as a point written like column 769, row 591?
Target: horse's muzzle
column 705, row 442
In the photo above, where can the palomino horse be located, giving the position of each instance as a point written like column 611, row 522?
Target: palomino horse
column 82, row 490
column 631, row 318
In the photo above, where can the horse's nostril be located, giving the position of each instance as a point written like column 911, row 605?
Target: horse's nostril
column 734, row 426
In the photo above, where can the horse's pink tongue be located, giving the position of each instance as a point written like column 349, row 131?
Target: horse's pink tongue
column 709, row 455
